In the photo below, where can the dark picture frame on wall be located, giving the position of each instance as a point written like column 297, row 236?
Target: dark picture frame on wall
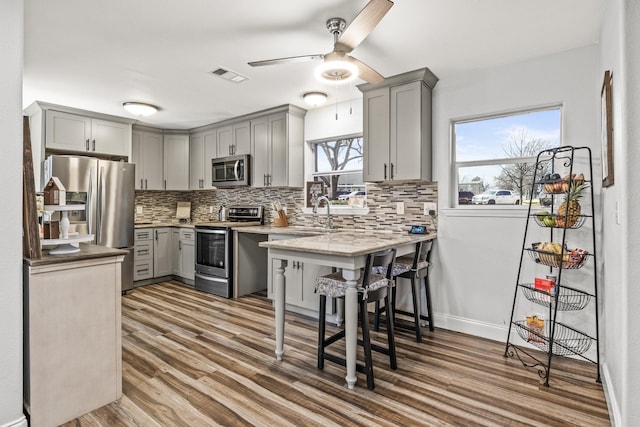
column 315, row 189
column 606, row 120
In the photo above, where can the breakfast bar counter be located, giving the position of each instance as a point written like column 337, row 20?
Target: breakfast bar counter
column 346, row 250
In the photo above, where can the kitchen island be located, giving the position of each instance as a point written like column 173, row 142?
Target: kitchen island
column 72, row 333
column 346, row 250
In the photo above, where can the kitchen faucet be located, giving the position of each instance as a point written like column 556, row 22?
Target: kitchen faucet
column 327, row 225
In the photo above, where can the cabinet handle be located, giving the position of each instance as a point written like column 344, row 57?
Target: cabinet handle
column 391, row 177
column 94, row 145
column 165, row 184
column 385, row 171
column 179, row 245
column 141, row 183
column 201, row 182
column 143, row 252
column 87, row 145
column 156, row 231
column 144, row 270
column 145, row 183
column 269, row 180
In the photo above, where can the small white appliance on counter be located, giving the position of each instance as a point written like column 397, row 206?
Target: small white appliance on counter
column 214, row 249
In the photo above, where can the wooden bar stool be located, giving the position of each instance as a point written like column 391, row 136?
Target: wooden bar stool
column 414, row 267
column 371, row 287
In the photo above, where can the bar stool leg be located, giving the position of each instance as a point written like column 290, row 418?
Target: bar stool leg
column 416, row 307
column 321, row 330
column 366, row 340
column 393, row 362
column 428, row 295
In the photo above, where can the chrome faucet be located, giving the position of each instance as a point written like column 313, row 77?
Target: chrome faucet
column 327, row 225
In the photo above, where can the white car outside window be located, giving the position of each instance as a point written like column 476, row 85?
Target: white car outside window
column 496, row 197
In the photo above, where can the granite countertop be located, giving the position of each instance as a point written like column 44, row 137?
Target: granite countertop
column 348, row 243
column 87, row 251
column 164, row 224
column 270, row 229
column 193, row 224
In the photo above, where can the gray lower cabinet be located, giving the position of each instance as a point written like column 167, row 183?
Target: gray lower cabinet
column 301, row 282
column 162, row 251
column 143, row 254
column 184, row 253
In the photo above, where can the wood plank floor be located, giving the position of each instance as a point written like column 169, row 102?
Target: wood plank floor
column 194, row 359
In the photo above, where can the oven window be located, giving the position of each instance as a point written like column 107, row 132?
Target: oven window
column 211, row 249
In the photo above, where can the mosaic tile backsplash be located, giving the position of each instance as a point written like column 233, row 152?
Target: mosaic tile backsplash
column 381, row 201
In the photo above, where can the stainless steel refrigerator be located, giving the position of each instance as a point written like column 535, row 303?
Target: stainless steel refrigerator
column 106, row 188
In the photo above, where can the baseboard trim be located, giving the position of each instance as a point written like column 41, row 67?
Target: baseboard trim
column 471, row 327
column 20, row 422
column 614, row 409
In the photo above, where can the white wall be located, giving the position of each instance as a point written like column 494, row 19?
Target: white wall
column 477, row 255
column 619, row 52
column 11, row 43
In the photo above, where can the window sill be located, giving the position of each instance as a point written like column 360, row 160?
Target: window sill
column 337, row 211
column 487, row 211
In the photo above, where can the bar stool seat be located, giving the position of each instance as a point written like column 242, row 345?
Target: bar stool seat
column 371, row 287
column 414, row 267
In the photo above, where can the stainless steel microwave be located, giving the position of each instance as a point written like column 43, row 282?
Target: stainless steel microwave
column 232, row 171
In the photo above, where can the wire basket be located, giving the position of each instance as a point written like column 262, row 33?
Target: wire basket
column 566, row 340
column 567, row 299
column 569, row 259
column 549, row 220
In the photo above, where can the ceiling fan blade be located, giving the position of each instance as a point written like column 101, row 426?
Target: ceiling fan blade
column 285, row 60
column 365, row 72
column 363, row 24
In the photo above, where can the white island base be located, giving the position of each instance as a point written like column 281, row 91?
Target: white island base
column 72, row 334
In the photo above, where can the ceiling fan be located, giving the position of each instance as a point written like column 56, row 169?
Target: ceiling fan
column 338, row 65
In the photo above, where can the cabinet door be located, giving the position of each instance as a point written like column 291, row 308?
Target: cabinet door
column 224, row 137
column 136, row 157
column 110, row 137
column 278, row 153
column 196, row 162
column 161, row 252
column 242, row 138
column 210, row 152
column 405, row 141
column 261, row 150
column 68, row 132
column 176, row 161
column 307, row 297
column 188, row 259
column 376, row 135
column 176, row 256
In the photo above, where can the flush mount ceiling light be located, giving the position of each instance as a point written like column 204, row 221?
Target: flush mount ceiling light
column 140, row 108
column 314, row 99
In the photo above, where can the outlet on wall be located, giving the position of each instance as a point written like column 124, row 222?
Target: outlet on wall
column 400, row 208
column 210, row 209
column 430, row 207
column 138, row 209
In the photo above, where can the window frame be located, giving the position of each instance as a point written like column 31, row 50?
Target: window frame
column 457, row 165
column 313, row 146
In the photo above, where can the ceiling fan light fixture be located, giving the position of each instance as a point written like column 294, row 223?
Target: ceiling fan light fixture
column 140, row 108
column 315, row 99
column 336, row 72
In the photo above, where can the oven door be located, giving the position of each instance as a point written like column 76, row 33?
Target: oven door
column 213, row 252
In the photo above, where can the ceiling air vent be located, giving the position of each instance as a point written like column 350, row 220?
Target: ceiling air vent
column 225, row 74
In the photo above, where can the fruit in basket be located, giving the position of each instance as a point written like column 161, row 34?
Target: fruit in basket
column 540, row 215
column 570, row 208
column 549, row 221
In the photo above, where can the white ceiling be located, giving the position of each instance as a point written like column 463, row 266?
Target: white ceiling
column 95, row 55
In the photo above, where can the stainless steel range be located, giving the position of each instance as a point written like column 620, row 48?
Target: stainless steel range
column 214, row 249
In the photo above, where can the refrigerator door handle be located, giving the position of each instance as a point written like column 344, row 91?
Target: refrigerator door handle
column 89, row 205
column 101, row 203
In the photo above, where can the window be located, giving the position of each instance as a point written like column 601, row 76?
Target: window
column 338, row 164
column 495, row 156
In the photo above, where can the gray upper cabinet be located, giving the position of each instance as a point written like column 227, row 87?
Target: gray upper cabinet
column 397, row 127
column 277, row 149
column 148, row 155
column 80, row 134
column 202, row 148
column 176, row 162
column 234, row 139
